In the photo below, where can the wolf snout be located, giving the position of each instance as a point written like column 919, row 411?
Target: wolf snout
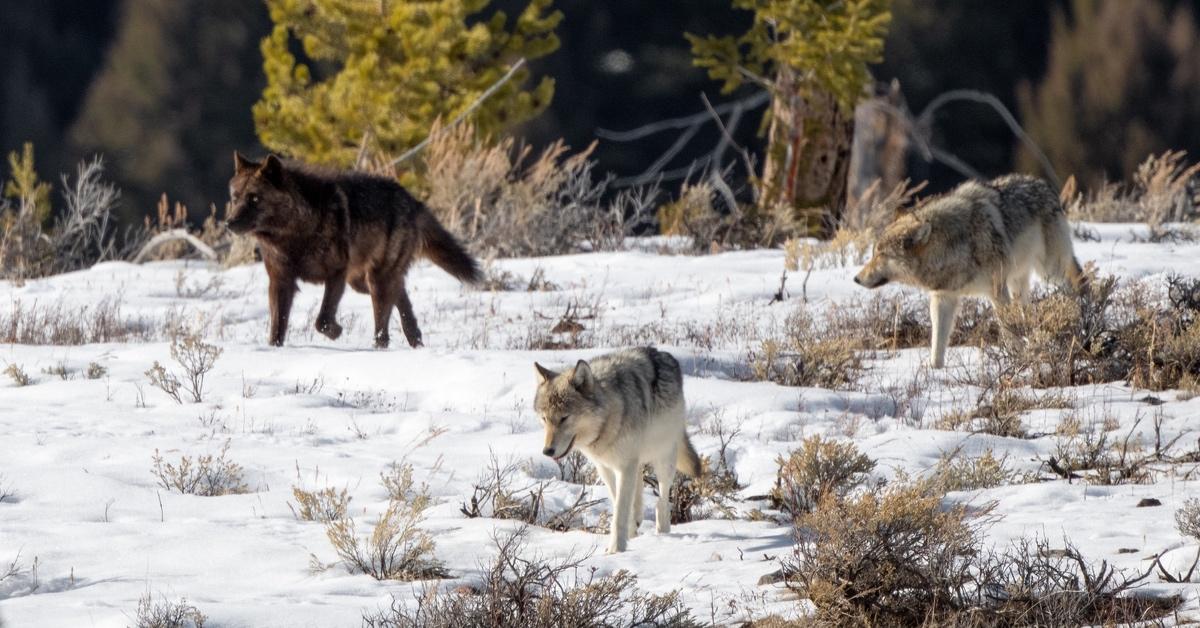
column 549, row 451
column 857, row 280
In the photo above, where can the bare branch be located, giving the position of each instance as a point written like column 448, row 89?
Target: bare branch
column 749, row 102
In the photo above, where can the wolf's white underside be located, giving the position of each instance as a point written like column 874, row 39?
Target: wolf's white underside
column 326, row 413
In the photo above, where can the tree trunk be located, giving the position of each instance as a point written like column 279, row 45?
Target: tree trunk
column 808, row 155
column 880, row 145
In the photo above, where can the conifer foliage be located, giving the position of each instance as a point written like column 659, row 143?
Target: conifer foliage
column 377, row 73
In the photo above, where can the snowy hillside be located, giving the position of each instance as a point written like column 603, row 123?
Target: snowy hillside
column 92, row 530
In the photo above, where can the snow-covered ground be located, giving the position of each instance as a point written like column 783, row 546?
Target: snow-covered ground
column 94, row 531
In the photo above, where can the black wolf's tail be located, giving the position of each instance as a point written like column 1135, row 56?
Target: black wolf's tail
column 443, row 249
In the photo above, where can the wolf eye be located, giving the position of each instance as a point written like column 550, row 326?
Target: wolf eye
column 563, row 419
column 253, row 200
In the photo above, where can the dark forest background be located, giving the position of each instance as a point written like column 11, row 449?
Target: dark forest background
column 164, row 88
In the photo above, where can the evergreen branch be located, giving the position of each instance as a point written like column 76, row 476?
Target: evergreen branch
column 487, row 93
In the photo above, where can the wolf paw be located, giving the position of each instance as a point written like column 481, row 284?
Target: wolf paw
column 330, row 329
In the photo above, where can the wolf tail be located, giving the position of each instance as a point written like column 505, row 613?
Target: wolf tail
column 687, row 461
column 443, row 249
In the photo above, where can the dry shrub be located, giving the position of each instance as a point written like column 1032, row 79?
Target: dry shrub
column 820, row 468
column 167, row 614
column 196, row 357
column 495, row 495
column 56, row 324
column 397, row 548
column 1106, row 333
column 518, row 592
column 899, row 556
column 506, row 202
column 324, row 505
column 691, row 213
column 1092, row 453
column 206, row 475
column 808, row 354
column 714, row 492
column 83, row 233
column 1187, row 518
column 956, row 471
column 577, row 469
column 18, row 375
column 397, row 480
column 882, row 558
column 1162, row 193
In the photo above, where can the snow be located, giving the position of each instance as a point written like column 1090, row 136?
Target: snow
column 319, row 413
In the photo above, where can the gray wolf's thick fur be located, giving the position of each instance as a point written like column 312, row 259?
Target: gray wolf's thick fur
column 982, row 239
column 622, row 410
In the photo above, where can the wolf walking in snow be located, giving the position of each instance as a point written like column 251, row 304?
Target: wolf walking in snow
column 981, row 239
column 331, row 228
column 622, row 410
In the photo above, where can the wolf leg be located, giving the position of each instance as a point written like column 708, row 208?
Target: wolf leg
column 627, row 479
column 635, row 513
column 280, row 293
column 327, row 318
column 942, row 309
column 408, row 320
column 383, row 298
column 664, row 470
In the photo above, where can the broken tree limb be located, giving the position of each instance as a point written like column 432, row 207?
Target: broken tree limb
column 175, row 235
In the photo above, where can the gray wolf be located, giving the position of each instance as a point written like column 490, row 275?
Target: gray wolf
column 982, row 239
column 335, row 228
column 622, row 410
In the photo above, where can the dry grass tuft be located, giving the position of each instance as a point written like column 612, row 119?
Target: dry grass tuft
column 18, row 375
column 507, row 202
column 1161, row 196
column 206, row 475
column 167, row 614
column 397, row 548
column 323, row 505
column 55, row 324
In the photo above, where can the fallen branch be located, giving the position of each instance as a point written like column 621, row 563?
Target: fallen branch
column 175, row 235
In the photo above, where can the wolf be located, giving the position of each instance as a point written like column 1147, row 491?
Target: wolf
column 334, row 228
column 622, row 410
column 981, row 239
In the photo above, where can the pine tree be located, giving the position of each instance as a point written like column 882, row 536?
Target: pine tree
column 384, row 70
column 1122, row 82
column 812, row 55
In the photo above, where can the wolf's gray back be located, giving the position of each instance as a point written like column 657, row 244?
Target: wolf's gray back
column 1020, row 202
column 646, row 379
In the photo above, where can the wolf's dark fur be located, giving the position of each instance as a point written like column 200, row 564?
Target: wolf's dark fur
column 335, row 228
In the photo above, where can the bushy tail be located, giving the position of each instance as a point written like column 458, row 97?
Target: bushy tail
column 443, row 249
column 687, row 461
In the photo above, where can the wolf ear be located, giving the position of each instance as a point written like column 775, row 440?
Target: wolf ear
column 582, row 378
column 272, row 170
column 919, row 235
column 544, row 374
column 241, row 163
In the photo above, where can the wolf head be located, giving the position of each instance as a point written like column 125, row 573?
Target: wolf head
column 258, row 198
column 569, row 408
column 897, row 253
